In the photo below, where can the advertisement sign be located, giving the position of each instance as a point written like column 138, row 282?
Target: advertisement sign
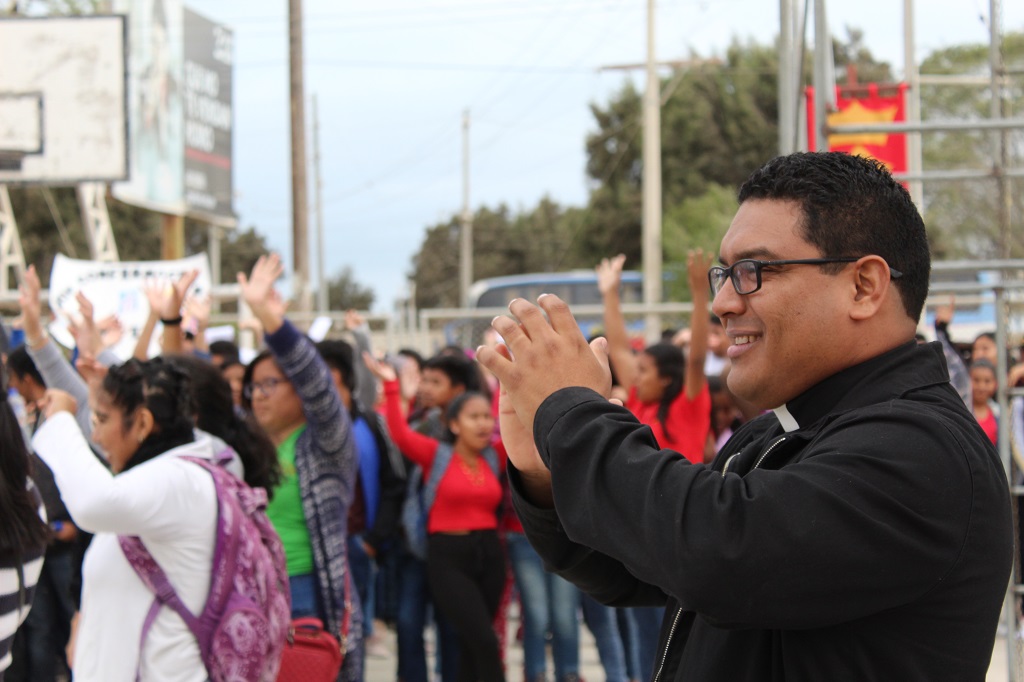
column 207, row 97
column 866, row 104
column 117, row 289
column 180, row 109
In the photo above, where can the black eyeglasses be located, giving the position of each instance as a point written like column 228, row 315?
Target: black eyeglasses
column 266, row 387
column 746, row 274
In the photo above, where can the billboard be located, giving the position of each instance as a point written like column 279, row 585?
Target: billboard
column 62, row 105
column 180, row 108
column 864, row 104
column 207, row 96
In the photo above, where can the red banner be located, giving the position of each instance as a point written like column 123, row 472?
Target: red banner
column 863, row 104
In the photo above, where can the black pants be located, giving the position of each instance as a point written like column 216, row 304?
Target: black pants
column 466, row 574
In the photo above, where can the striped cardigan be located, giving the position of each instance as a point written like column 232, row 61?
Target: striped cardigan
column 327, row 467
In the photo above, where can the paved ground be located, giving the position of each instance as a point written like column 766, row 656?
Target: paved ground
column 382, row 668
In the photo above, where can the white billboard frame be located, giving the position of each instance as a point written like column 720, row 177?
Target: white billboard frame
column 79, row 66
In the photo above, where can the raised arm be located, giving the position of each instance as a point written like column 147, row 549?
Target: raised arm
column 55, row 369
column 697, row 264
column 298, row 358
column 416, row 446
column 366, row 384
column 620, row 353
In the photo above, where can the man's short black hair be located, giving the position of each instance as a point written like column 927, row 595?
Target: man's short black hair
column 851, row 206
column 460, row 370
column 226, row 349
column 19, row 362
column 339, row 355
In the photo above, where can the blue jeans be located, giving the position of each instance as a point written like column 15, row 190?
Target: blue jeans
column 364, row 579
column 411, row 621
column 305, row 601
column 602, row 622
column 550, row 604
column 648, row 626
column 630, row 641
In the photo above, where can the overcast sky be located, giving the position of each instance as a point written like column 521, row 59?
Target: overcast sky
column 392, row 79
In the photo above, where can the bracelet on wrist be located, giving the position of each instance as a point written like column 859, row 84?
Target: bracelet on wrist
column 171, row 320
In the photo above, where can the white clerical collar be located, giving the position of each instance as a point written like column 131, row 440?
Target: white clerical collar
column 786, row 418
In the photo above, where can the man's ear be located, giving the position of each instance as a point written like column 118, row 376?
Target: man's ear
column 872, row 287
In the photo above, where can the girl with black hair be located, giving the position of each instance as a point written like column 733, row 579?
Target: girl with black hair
column 667, row 390
column 216, row 415
column 23, row 531
column 465, row 559
column 142, row 415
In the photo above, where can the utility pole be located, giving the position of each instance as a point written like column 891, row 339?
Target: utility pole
column 466, row 222
column 300, row 226
column 788, row 82
column 913, row 79
column 824, row 84
column 321, row 289
column 651, row 198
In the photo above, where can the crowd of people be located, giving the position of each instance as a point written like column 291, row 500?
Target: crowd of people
column 417, row 493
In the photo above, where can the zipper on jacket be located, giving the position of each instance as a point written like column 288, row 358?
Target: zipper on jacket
column 767, row 452
column 668, row 643
column 725, row 467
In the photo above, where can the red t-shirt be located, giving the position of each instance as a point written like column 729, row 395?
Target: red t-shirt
column 990, row 426
column 689, row 422
column 467, row 499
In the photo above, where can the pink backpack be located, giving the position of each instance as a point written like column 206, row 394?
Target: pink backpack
column 244, row 624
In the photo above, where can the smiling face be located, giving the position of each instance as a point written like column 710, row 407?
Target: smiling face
column 791, row 333
column 275, row 404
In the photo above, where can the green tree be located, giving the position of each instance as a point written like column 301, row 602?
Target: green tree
column 504, row 243
column 344, row 292
column 697, row 222
column 45, row 232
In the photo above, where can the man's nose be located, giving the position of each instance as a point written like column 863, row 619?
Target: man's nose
column 727, row 300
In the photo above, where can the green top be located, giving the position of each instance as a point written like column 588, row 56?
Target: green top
column 285, row 511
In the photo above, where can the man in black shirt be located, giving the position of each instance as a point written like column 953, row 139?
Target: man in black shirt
column 859, row 531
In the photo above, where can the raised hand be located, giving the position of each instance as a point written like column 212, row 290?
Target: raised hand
column 31, row 308
column 944, row 313
column 379, row 369
column 697, row 265
column 111, row 331
column 91, row 370
column 353, row 320
column 259, row 293
column 56, row 400
column 609, row 274
column 87, row 335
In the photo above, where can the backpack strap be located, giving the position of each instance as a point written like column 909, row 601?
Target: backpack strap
column 442, row 459
column 154, row 577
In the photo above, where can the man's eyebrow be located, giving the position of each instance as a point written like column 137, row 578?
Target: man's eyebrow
column 759, row 253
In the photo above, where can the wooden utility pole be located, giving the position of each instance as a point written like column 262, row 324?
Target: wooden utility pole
column 465, row 222
column 651, row 197
column 322, row 302
column 300, row 215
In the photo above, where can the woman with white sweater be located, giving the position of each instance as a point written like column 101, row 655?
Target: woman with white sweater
column 143, row 419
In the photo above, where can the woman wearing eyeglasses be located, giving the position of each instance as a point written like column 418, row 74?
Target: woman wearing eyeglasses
column 292, row 396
